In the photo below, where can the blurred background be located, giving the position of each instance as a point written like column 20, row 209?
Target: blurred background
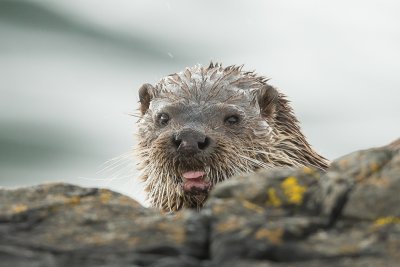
column 70, row 70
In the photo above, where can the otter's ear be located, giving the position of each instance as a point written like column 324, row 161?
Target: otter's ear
column 146, row 93
column 267, row 98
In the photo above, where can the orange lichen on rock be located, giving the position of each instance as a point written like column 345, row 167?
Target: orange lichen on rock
column 274, row 236
column 19, row 208
column 75, row 200
column 228, row 225
column 251, row 206
column 177, row 234
column 105, row 196
column 374, row 167
column 308, row 170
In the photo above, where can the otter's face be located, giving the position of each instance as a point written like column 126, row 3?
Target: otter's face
column 198, row 128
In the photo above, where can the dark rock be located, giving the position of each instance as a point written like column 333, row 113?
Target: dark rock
column 348, row 216
column 59, row 224
column 260, row 216
column 377, row 176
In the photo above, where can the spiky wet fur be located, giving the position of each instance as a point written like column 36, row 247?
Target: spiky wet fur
column 268, row 140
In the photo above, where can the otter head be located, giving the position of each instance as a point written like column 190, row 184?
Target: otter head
column 204, row 125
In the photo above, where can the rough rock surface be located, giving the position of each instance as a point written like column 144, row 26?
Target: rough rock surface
column 349, row 216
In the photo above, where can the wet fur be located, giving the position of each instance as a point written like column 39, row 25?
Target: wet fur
column 269, row 137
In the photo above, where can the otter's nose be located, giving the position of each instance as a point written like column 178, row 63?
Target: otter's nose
column 190, row 141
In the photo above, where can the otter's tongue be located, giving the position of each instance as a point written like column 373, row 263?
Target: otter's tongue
column 194, row 183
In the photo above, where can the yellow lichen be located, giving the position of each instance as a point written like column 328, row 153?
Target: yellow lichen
column 273, row 199
column 387, row 220
column 274, row 236
column 18, row 208
column 293, row 190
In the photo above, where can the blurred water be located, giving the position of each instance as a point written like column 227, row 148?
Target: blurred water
column 69, row 73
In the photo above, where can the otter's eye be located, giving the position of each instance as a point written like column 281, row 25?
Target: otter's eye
column 163, row 119
column 231, row 120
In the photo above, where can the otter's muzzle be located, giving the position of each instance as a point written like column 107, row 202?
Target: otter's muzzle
column 190, row 142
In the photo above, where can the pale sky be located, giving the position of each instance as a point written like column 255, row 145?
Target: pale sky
column 70, row 71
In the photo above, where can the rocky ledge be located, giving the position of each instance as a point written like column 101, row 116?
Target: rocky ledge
column 348, row 216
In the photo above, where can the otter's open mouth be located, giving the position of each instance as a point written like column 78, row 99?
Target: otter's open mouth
column 194, row 183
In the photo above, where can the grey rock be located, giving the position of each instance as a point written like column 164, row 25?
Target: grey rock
column 374, row 178
column 348, row 216
column 60, row 224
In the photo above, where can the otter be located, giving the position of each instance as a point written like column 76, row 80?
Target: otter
column 204, row 125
